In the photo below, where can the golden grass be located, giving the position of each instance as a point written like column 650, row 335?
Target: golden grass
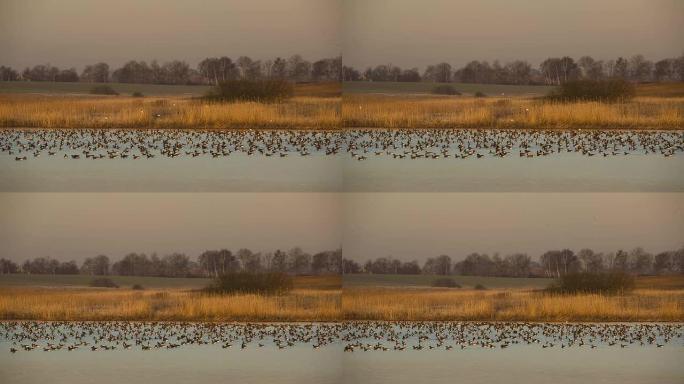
column 330, row 304
column 313, row 112
column 128, row 112
column 509, row 305
column 118, row 304
column 460, row 112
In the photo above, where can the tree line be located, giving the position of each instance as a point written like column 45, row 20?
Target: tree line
column 210, row 263
column 211, row 70
column 552, row 71
column 553, row 263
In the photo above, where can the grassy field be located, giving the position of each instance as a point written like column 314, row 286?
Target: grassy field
column 168, row 304
column 509, row 305
column 369, row 280
column 17, row 280
column 46, row 297
column 660, row 90
column 380, row 111
column 83, row 89
column 128, row 112
column 319, row 106
column 57, row 88
column 322, row 298
column 44, row 281
column 401, row 88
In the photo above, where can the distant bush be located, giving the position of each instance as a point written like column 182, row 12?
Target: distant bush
column 103, row 90
column 137, row 287
column 480, row 94
column 265, row 91
column 137, row 94
column 445, row 89
column 603, row 90
column 242, row 282
column 103, row 282
column 613, row 282
column 445, row 282
column 480, row 287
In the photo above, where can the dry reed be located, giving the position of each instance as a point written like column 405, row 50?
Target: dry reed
column 126, row 112
column 509, row 305
column 456, row 112
column 113, row 304
column 333, row 305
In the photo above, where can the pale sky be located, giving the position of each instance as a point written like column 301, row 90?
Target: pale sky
column 74, row 226
column 367, row 225
column 407, row 33
column 411, row 33
column 412, row 226
column 68, row 33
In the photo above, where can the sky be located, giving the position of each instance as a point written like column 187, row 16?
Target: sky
column 406, row 226
column 411, row 33
column 408, row 33
column 74, row 33
column 414, row 226
column 73, row 226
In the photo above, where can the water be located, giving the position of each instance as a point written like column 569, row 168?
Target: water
column 355, row 160
column 534, row 353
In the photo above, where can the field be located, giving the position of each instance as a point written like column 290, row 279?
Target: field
column 321, row 298
column 405, row 88
column 57, row 88
column 381, row 111
column 75, row 281
column 154, row 112
column 369, row 280
column 661, row 90
column 319, row 106
column 35, row 297
column 83, row 89
column 509, row 305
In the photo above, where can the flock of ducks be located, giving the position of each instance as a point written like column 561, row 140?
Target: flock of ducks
column 355, row 336
column 359, row 144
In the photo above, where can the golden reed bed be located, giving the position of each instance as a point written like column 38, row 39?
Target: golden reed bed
column 457, row 112
column 333, row 305
column 98, row 304
column 510, row 305
column 128, row 112
column 334, row 112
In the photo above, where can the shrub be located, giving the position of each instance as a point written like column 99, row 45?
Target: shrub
column 603, row 90
column 243, row 282
column 445, row 282
column 103, row 90
column 137, row 287
column 445, row 89
column 613, row 282
column 480, row 94
column 264, row 91
column 480, row 287
column 103, row 282
column 137, row 94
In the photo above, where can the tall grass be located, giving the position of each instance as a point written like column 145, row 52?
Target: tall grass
column 124, row 304
column 508, row 305
column 333, row 112
column 332, row 305
column 450, row 112
column 129, row 112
